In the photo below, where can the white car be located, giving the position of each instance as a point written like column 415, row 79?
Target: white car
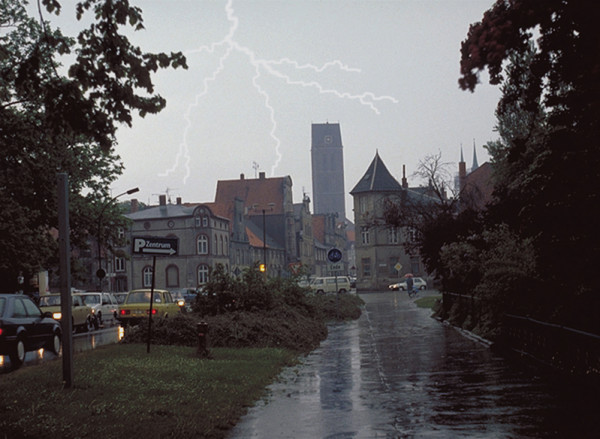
column 418, row 283
column 104, row 306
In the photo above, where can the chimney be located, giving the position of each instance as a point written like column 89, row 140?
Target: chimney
column 162, row 200
column 242, row 176
column 404, row 181
column 135, row 205
column 261, row 175
column 179, row 201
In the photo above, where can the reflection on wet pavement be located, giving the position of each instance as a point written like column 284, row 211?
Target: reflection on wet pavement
column 81, row 342
column 397, row 373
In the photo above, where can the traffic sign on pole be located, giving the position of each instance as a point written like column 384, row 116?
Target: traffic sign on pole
column 335, row 267
column 334, row 255
column 150, row 245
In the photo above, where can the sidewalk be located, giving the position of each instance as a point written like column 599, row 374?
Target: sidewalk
column 396, row 372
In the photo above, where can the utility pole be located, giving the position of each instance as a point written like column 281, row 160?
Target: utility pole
column 65, row 277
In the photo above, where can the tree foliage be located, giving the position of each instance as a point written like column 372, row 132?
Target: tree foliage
column 534, row 249
column 433, row 216
column 548, row 160
column 64, row 118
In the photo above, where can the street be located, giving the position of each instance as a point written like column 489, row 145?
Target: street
column 398, row 373
column 81, row 342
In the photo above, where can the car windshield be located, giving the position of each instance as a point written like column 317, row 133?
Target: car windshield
column 92, row 299
column 50, row 301
column 2, row 302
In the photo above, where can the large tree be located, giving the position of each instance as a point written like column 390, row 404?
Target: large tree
column 62, row 100
column 549, row 163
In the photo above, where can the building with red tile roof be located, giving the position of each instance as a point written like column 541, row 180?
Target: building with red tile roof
column 268, row 206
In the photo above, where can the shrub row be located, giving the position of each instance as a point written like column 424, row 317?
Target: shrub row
column 281, row 315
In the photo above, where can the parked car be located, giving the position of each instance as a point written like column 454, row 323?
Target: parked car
column 104, row 306
column 82, row 315
column 24, row 327
column 137, row 306
column 330, row 284
column 418, row 283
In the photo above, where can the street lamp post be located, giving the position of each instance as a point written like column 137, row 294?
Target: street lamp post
column 100, row 273
column 264, row 241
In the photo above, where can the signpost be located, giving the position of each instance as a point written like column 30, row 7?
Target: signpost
column 335, row 255
column 150, row 245
column 398, row 267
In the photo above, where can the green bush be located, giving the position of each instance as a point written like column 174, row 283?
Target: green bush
column 253, row 312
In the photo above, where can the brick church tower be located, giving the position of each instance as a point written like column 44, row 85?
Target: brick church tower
column 327, row 158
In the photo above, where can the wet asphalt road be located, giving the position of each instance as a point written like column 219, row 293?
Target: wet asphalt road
column 398, row 373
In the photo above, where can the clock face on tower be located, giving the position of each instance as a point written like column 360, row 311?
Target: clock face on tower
column 328, row 140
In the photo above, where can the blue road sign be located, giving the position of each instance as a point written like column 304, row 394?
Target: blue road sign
column 334, row 255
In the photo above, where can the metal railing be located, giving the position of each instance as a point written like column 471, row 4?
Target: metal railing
column 566, row 349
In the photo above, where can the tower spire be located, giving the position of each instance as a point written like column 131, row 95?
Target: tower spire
column 475, row 164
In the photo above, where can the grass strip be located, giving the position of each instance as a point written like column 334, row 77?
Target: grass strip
column 122, row 391
column 427, row 302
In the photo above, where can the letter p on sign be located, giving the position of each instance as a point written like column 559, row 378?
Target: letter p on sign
column 138, row 244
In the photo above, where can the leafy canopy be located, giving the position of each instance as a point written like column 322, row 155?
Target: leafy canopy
column 64, row 118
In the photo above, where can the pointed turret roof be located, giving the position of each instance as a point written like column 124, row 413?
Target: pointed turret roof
column 376, row 179
column 475, row 164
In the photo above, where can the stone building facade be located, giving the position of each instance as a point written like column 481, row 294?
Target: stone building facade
column 203, row 242
column 380, row 256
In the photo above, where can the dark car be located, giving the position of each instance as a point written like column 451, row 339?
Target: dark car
column 24, row 327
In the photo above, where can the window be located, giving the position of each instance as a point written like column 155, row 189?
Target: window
column 366, row 267
column 362, row 204
column 364, row 235
column 120, row 232
column 19, row 309
column 119, row 264
column 172, row 276
column 203, row 274
column 202, row 245
column 147, row 277
column 416, row 266
column 198, row 221
column 205, row 221
column 32, row 310
column 393, row 235
column 222, row 245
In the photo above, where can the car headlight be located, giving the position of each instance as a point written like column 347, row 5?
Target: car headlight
column 56, row 315
column 181, row 302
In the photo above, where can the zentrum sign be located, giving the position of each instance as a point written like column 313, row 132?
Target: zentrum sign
column 155, row 246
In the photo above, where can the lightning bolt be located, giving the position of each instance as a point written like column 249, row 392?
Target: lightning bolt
column 270, row 67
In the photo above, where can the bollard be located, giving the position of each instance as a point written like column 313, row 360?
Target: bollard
column 203, row 339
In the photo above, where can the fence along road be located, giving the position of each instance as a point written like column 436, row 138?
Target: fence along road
column 396, row 373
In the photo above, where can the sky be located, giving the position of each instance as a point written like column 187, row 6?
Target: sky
column 261, row 72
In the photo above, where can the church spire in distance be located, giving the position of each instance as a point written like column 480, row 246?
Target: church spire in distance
column 475, row 164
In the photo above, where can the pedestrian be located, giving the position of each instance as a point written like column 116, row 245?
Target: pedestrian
column 409, row 284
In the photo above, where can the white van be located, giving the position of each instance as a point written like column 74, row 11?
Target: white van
column 322, row 285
